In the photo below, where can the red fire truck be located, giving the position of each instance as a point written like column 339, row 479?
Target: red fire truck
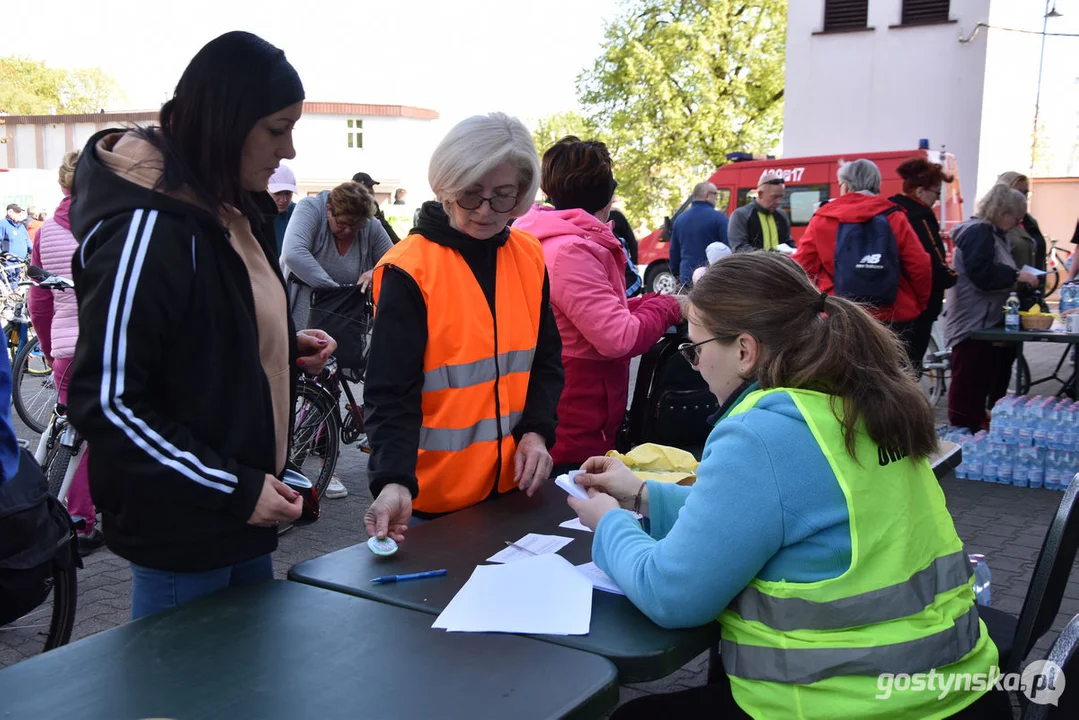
column 809, row 181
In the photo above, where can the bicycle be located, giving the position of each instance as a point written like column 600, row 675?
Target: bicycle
column 321, row 424
column 33, row 389
column 1058, row 264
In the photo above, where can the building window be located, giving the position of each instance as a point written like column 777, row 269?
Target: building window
column 355, row 134
column 846, row 15
column 922, row 12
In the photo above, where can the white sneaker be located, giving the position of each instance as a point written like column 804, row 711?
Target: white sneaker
column 335, row 489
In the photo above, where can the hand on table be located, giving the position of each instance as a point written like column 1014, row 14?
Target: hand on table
column 314, row 348
column 277, row 503
column 389, row 513
column 532, row 463
column 610, row 476
column 592, row 510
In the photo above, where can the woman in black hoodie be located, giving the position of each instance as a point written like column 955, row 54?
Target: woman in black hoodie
column 183, row 373
column 923, row 182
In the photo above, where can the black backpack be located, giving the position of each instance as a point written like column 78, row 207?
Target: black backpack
column 671, row 401
column 34, row 529
column 345, row 314
column 867, row 267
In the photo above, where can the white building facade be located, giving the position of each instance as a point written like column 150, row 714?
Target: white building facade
column 876, row 75
column 391, row 143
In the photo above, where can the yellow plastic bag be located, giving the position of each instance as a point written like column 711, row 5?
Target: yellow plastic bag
column 661, row 463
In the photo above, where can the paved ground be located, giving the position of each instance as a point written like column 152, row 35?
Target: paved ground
column 1006, row 524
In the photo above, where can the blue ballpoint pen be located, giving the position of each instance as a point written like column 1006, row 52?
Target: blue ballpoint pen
column 409, row 576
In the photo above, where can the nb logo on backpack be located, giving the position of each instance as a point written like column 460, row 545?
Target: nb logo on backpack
column 867, row 265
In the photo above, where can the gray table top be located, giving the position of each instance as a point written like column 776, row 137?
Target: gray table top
column 459, row 542
column 286, row 650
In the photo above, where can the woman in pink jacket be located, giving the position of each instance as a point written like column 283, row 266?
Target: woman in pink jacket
column 56, row 319
column 601, row 330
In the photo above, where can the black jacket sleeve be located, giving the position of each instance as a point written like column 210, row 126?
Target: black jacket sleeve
column 979, row 259
column 133, row 291
column 393, row 387
column 929, row 234
column 547, row 378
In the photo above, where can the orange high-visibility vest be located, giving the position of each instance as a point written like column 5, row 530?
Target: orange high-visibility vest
column 475, row 368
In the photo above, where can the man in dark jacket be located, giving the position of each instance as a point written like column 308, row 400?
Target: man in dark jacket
column 694, row 230
column 364, row 179
column 762, row 225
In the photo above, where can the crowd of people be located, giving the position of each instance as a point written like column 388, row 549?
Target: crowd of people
column 500, row 355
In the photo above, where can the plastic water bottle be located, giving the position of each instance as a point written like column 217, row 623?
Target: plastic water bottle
column 976, row 459
column 992, row 461
column 1011, row 313
column 1067, row 297
column 1006, row 467
column 983, row 580
column 1036, row 471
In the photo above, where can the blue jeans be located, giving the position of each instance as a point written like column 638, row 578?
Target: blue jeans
column 155, row 590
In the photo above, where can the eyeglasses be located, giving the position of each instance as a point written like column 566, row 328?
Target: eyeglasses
column 691, row 353
column 935, row 191
column 498, row 203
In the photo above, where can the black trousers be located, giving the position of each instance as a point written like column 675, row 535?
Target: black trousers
column 981, row 372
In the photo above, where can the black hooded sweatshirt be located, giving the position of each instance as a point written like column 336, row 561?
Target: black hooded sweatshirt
column 167, row 385
column 394, row 382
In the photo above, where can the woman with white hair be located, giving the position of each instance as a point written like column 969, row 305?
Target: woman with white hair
column 986, row 275
column 465, row 370
column 860, row 206
column 1025, row 239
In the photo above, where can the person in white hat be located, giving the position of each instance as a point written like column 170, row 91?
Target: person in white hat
column 282, row 186
column 762, row 225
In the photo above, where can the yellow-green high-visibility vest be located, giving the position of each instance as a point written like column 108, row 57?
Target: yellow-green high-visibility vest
column 769, row 231
column 905, row 605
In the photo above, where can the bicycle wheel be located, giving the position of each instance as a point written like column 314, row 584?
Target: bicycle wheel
column 49, row 624
column 57, row 469
column 933, row 380
column 33, row 389
column 1022, row 371
column 316, row 435
column 1052, row 282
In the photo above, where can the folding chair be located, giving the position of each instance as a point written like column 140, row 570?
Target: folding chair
column 1064, row 653
column 1015, row 636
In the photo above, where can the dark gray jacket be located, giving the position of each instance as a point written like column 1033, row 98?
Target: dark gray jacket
column 987, row 274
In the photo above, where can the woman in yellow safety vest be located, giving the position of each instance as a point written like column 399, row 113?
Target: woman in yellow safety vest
column 465, row 368
column 816, row 533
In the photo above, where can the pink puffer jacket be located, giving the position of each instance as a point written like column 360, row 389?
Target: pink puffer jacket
column 601, row 330
column 55, row 314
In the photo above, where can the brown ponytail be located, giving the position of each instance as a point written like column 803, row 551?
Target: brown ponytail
column 843, row 351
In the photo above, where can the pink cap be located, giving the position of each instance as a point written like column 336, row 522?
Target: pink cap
column 282, row 179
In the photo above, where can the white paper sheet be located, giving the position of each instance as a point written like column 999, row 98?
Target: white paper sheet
column 574, row 524
column 535, row 543
column 543, row 594
column 1033, row 270
column 567, row 483
column 599, row 579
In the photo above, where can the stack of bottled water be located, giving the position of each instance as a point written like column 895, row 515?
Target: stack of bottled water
column 1033, row 442
column 1069, row 296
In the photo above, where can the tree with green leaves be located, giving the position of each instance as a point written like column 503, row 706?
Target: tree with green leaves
column 30, row 87
column 553, row 128
column 680, row 84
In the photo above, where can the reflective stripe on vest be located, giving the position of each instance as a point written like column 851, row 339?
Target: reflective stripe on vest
column 480, row 371
column 801, row 666
column 457, row 439
column 876, row 606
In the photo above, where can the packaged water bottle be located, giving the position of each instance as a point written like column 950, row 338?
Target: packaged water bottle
column 1052, row 469
column 1025, row 423
column 1036, row 471
column 974, row 461
column 1067, row 469
column 1067, row 297
column 1006, row 466
column 992, row 460
column 1069, row 425
column 1011, row 313
column 1043, row 413
column 983, row 580
column 1011, row 410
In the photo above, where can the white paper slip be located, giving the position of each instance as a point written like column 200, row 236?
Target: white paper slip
column 1033, row 270
column 599, row 579
column 543, row 594
column 574, row 524
column 534, row 544
column 566, row 483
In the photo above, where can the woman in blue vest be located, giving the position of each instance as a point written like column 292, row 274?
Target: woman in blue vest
column 816, row 533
